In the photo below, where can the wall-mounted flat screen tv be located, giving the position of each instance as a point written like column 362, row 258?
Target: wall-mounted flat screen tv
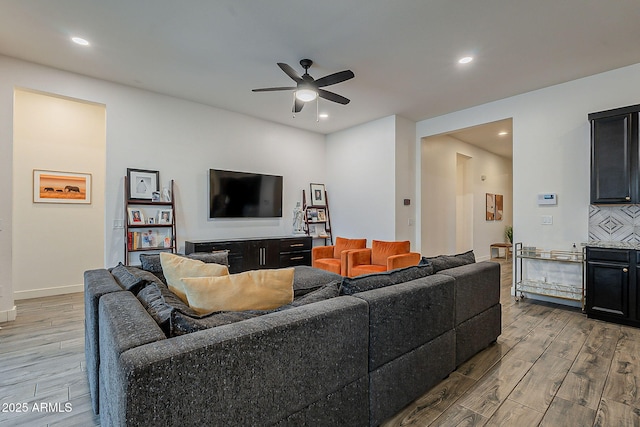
column 244, row 195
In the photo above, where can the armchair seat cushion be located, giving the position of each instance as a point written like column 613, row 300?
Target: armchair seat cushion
column 367, row 269
column 329, row 264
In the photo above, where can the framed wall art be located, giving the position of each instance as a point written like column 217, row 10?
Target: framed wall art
column 142, row 183
column 317, row 195
column 61, row 187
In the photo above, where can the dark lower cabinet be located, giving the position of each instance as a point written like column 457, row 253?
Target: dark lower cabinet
column 258, row 253
column 611, row 284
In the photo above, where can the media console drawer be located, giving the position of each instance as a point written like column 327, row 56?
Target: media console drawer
column 256, row 253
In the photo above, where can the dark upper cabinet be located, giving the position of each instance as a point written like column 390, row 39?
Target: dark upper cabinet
column 614, row 156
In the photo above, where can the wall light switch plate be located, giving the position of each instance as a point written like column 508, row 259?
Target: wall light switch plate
column 118, row 223
column 546, row 219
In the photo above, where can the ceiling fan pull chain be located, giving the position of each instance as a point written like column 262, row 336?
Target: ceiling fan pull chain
column 317, row 109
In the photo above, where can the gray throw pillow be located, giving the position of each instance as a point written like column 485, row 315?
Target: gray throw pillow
column 367, row 282
column 131, row 278
column 160, row 303
column 444, row 262
column 217, row 257
column 307, row 279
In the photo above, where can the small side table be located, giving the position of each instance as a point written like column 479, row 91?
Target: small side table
column 497, row 247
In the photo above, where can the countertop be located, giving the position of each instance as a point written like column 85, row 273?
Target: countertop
column 612, row 245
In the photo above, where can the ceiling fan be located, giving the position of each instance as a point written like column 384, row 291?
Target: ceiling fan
column 308, row 89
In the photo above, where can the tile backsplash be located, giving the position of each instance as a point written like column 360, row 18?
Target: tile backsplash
column 618, row 223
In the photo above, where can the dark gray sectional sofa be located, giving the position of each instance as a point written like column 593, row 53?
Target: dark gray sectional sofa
column 355, row 359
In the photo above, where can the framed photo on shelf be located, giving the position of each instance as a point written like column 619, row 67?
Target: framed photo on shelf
column 317, row 195
column 312, row 214
column 322, row 215
column 61, row 187
column 136, row 217
column 142, row 183
column 165, row 216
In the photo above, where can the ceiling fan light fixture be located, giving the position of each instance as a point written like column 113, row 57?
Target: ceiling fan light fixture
column 306, row 95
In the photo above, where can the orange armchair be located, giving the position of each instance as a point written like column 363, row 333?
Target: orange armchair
column 334, row 258
column 382, row 256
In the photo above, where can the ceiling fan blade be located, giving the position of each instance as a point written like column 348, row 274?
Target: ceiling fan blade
column 297, row 105
column 289, row 71
column 271, row 89
column 334, row 78
column 333, row 97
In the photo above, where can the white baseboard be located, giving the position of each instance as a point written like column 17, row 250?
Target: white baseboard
column 47, row 292
column 8, row 315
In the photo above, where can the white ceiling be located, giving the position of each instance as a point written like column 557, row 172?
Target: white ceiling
column 404, row 53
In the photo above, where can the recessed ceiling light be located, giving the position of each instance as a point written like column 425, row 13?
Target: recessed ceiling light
column 80, row 41
column 465, row 60
column 323, row 115
column 503, row 133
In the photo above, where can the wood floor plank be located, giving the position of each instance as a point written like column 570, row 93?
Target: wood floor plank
column 431, row 405
column 623, row 382
column 494, row 388
column 540, row 385
column 460, row 416
column 565, row 413
column 482, row 362
column 511, row 413
column 569, row 342
column 612, row 413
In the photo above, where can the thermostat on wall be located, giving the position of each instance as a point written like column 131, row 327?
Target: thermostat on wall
column 548, row 199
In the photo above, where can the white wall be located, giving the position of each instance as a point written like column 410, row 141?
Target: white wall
column 550, row 149
column 439, row 195
column 361, row 180
column 181, row 139
column 57, row 134
column 405, row 167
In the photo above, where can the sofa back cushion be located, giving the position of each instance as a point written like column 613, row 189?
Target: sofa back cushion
column 380, row 250
column 250, row 290
column 160, row 302
column 343, row 244
column 183, row 323
column 444, row 262
column 177, row 267
column 132, row 278
column 367, row 282
column 151, row 262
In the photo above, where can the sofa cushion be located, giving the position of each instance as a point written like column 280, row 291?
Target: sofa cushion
column 343, row 244
column 151, row 262
column 183, row 323
column 367, row 282
column 160, row 302
column 307, row 279
column 132, row 278
column 444, row 262
column 216, row 257
column 249, row 290
column 176, row 267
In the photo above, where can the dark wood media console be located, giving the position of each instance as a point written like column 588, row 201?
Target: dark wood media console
column 257, row 253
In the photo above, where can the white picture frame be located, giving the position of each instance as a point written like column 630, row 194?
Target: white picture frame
column 165, row 216
column 136, row 216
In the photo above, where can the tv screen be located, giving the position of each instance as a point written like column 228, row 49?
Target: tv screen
column 244, row 195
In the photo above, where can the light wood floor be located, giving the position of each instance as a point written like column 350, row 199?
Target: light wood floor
column 550, row 367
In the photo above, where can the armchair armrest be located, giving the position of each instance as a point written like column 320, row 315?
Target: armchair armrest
column 358, row 257
column 320, row 252
column 403, row 260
